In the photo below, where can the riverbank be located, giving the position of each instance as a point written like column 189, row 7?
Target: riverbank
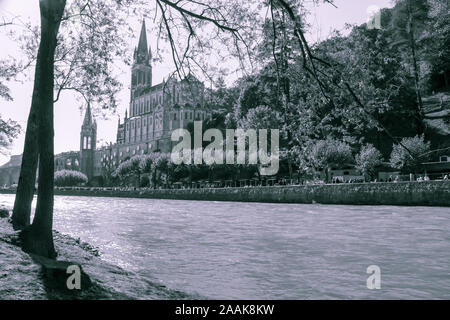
column 22, row 278
column 426, row 193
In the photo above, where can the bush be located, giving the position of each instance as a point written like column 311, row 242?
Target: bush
column 69, row 178
column 145, row 182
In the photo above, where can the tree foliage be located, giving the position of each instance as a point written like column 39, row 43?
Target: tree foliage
column 368, row 159
column 69, row 178
column 330, row 153
column 410, row 162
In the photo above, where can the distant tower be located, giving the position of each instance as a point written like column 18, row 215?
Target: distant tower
column 88, row 138
column 141, row 72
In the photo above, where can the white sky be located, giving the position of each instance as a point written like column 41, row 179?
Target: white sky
column 68, row 116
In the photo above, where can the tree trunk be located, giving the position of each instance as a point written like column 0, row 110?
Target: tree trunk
column 138, row 179
column 154, row 178
column 38, row 237
column 25, row 189
column 190, row 176
column 412, row 44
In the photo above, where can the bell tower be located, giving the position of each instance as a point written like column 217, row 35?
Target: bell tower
column 88, row 138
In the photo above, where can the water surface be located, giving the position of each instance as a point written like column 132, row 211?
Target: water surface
column 226, row 250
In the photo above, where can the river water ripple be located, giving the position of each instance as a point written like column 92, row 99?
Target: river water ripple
column 226, row 250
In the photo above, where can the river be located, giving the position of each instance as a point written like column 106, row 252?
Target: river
column 226, row 250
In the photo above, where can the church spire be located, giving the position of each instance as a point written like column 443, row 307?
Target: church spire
column 88, row 116
column 143, row 46
column 142, row 53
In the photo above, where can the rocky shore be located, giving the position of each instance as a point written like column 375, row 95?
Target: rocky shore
column 27, row 277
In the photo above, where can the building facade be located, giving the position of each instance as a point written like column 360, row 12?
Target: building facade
column 154, row 111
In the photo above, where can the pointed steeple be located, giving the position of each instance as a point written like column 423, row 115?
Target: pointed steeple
column 141, row 53
column 142, row 47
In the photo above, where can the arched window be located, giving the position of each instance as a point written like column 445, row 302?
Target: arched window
column 89, row 143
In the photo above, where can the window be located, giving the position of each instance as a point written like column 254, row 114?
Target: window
column 174, row 116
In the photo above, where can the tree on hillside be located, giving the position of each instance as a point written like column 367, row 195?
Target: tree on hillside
column 409, row 21
column 261, row 117
column 437, row 44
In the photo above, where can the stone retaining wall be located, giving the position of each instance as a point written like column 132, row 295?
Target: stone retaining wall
column 430, row 193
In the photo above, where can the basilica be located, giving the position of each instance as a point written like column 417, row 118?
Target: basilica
column 154, row 112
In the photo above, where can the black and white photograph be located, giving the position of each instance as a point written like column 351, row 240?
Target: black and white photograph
column 224, row 156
